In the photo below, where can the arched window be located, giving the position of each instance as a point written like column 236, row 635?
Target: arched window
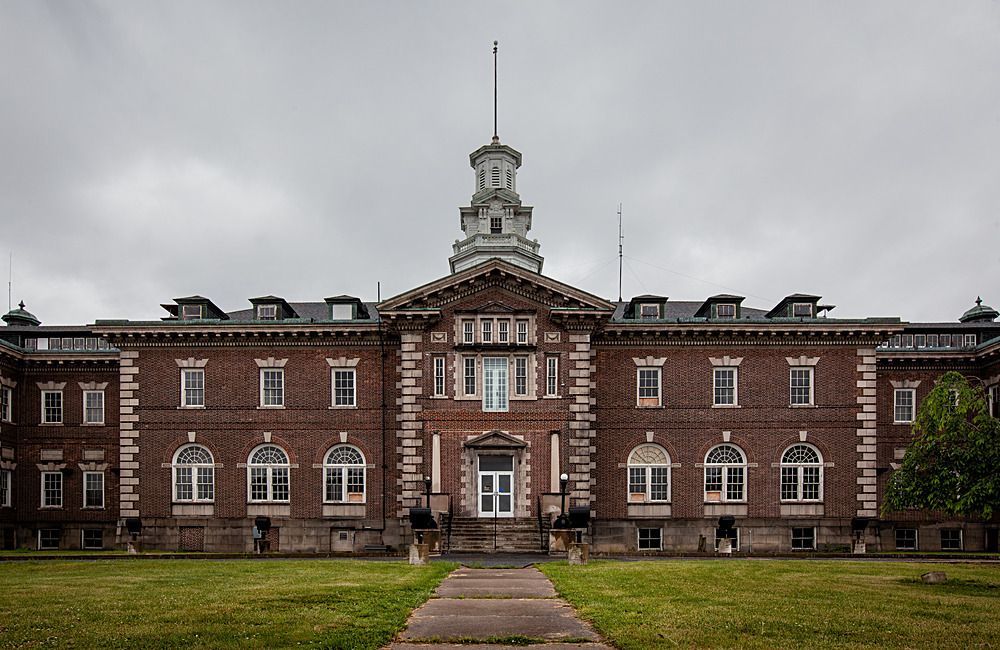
column 194, row 474
column 267, row 474
column 648, row 474
column 725, row 474
column 801, row 474
column 344, row 475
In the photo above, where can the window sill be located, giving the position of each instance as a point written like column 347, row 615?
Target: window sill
column 552, row 397
column 342, row 408
column 802, row 406
column 905, row 423
column 92, row 424
column 50, row 424
column 643, row 406
column 94, row 508
column 271, row 408
column 727, row 406
column 190, row 408
column 438, row 397
column 50, row 508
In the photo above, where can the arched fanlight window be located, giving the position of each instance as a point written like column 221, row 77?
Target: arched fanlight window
column 267, row 474
column 648, row 474
column 725, row 474
column 344, row 475
column 194, row 474
column 801, row 474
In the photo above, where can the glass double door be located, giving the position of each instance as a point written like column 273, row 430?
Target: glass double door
column 496, row 486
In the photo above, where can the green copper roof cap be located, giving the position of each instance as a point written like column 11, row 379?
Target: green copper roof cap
column 20, row 317
column 976, row 314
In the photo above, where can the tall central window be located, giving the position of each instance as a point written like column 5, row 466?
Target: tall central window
column 649, row 474
column 725, row 469
column 494, row 383
column 801, row 386
column 272, row 387
column 801, row 474
column 343, row 387
column 649, row 386
column 267, row 472
column 344, row 472
column 193, row 387
column 725, row 386
column 194, row 474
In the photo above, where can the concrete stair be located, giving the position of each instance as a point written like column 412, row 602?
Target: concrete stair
column 474, row 535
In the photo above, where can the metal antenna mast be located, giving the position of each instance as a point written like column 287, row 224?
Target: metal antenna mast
column 496, row 137
column 620, row 238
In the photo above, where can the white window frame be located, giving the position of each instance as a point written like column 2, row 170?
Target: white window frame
column 658, row 538
column 200, row 476
column 275, row 399
column 83, row 537
column 470, row 376
column 49, row 548
column 96, row 411
column 276, row 476
column 897, row 407
column 56, row 500
column 792, row 387
column 6, row 484
column 521, row 376
column 439, row 376
column 348, row 397
column 188, row 312
column 798, row 470
column 267, row 312
column 727, row 471
column 800, row 538
column 334, row 466
column 643, row 462
column 961, row 539
column 496, row 384
column 728, row 306
column 486, row 331
column 503, row 331
column 192, row 396
column 970, row 340
column 658, row 374
column 649, row 311
column 468, row 331
column 551, row 376
column 797, row 306
column 522, row 331
column 57, row 415
column 87, row 490
column 6, row 404
column 716, row 388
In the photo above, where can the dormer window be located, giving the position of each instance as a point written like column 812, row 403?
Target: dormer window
column 649, row 311
column 342, row 311
column 267, row 312
column 191, row 312
column 725, row 310
column 802, row 310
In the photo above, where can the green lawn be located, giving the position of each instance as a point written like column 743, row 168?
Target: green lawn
column 209, row 604
column 784, row 603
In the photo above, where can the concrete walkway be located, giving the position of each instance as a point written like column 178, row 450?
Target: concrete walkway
column 476, row 604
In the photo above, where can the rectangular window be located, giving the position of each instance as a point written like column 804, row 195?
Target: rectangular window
column 725, row 310
column 649, row 311
column 637, row 483
column 91, row 344
column 903, row 409
column 802, row 310
column 341, row 311
column 735, row 540
column 503, row 331
column 496, row 223
column 469, row 375
column 803, row 539
column 919, row 340
column 932, row 340
column 994, row 393
column 468, row 332
column 551, row 376
column 5, row 483
column 67, row 344
column 52, row 489
column 31, row 344
column 79, row 344
column 92, row 539
column 650, row 539
column 520, row 375
column 906, row 539
column 725, row 386
column 48, row 539
column 522, row 332
column 487, row 331
column 6, row 397
column 193, row 387
column 93, row 489
column 343, row 387
column 439, row 376
column 272, row 387
column 649, row 386
column 191, row 312
column 945, row 340
column 267, row 312
column 801, row 386
column 970, row 340
column 495, row 384
column 93, row 406
column 951, row 539
column 51, row 406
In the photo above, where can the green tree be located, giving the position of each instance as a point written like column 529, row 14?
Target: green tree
column 953, row 463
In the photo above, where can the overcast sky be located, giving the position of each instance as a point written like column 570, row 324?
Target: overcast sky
column 153, row 150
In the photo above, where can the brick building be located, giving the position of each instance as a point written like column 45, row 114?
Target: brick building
column 333, row 418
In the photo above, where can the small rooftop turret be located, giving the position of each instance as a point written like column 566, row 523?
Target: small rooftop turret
column 20, row 317
column 978, row 314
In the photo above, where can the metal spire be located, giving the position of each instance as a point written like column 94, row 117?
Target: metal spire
column 496, row 138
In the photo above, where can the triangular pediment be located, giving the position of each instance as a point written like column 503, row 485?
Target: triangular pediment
column 496, row 440
column 521, row 282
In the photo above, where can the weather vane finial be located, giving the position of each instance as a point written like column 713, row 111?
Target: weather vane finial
column 496, row 137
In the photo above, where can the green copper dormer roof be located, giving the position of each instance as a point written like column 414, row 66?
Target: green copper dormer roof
column 977, row 314
column 184, row 309
column 21, row 317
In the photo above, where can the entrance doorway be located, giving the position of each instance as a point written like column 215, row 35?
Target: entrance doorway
column 496, row 481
